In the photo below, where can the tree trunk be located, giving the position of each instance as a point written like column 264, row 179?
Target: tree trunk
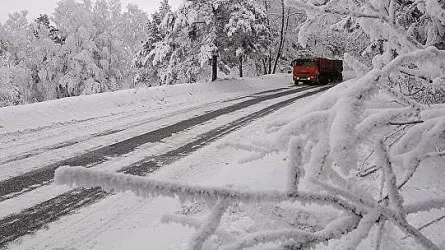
column 214, row 67
column 267, row 62
column 280, row 47
column 241, row 66
column 264, row 61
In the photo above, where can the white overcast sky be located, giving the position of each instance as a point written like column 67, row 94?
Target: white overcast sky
column 36, row 7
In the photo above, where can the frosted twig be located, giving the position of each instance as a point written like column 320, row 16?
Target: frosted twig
column 248, row 148
column 295, row 168
column 405, row 123
column 425, row 205
column 363, row 228
column 381, row 227
column 415, row 233
column 337, row 191
column 401, row 97
column 411, row 43
column 411, row 72
column 209, row 226
column 390, row 179
column 429, row 224
column 373, row 169
column 305, row 6
column 364, row 162
column 272, row 236
column 436, row 154
column 302, row 239
column 418, row 153
column 194, row 223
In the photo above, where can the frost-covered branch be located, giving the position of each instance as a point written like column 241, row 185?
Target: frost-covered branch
column 259, row 151
column 322, row 9
column 196, row 224
column 209, row 226
column 334, row 230
column 378, row 211
column 404, row 123
column 363, row 229
column 145, row 187
column 427, row 205
column 390, row 179
column 408, row 40
column 343, row 193
column 295, row 166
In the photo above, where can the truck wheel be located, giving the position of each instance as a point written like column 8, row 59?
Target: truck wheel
column 323, row 80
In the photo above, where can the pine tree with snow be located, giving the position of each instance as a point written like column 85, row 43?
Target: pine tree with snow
column 148, row 74
column 44, row 60
column 247, row 32
column 202, row 37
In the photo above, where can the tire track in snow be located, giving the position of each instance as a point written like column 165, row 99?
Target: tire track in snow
column 29, row 181
column 36, row 217
column 60, row 145
column 59, row 129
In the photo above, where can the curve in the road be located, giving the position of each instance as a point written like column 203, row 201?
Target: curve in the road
column 29, row 181
column 34, row 218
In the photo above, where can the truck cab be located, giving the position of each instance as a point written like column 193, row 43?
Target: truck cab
column 316, row 70
column 304, row 70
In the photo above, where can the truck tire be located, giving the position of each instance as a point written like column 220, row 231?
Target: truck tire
column 339, row 78
column 324, row 79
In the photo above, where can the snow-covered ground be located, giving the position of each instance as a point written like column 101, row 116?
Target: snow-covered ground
column 124, row 221
column 32, row 134
column 89, row 122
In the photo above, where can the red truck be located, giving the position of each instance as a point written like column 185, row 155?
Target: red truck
column 317, row 70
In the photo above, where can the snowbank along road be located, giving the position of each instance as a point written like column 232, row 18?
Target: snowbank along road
column 134, row 143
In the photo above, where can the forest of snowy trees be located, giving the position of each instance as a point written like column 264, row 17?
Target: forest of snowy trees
column 355, row 150
column 84, row 48
column 89, row 47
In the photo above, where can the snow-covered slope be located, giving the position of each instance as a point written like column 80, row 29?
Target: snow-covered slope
column 155, row 99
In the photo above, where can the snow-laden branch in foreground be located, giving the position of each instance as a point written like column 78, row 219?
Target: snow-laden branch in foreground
column 346, row 123
column 388, row 214
column 301, row 239
column 316, row 10
column 145, row 187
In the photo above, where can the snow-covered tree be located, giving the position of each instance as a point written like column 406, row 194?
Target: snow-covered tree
column 146, row 72
column 15, row 79
column 281, row 21
column 97, row 53
column 85, row 48
column 246, row 31
column 202, row 33
column 43, row 58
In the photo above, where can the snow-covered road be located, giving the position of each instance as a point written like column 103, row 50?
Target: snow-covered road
column 138, row 141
